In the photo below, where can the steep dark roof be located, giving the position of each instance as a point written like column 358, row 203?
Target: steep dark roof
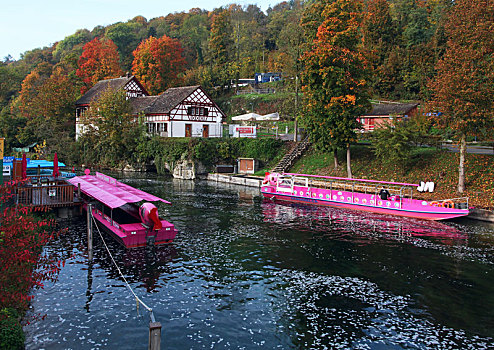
column 101, row 86
column 384, row 109
column 165, row 102
column 140, row 104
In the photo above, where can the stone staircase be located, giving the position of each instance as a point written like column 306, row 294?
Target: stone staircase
column 290, row 158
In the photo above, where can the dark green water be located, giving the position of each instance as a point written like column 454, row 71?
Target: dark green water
column 248, row 274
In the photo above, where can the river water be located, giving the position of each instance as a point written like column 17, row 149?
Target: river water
column 245, row 273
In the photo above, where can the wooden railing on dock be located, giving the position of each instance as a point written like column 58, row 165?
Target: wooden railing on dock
column 59, row 195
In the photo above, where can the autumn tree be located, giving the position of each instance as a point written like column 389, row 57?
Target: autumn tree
column 99, row 60
column 158, row 63
column 26, row 103
column 46, row 103
column 463, row 90
column 334, row 79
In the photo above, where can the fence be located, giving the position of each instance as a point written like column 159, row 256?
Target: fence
column 256, row 91
column 57, row 195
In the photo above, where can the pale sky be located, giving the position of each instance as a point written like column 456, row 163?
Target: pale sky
column 30, row 24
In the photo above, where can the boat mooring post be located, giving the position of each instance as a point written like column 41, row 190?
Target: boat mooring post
column 154, row 336
column 90, row 231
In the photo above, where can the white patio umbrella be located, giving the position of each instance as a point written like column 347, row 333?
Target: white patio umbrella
column 271, row 116
column 248, row 116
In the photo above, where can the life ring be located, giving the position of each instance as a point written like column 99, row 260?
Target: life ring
column 448, row 204
column 434, row 204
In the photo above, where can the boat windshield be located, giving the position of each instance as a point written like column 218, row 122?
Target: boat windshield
column 285, row 181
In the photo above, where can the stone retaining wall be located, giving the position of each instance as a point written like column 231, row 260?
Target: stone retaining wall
column 481, row 214
column 238, row 180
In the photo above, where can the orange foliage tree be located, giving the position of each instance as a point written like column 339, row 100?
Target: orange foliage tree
column 99, row 60
column 158, row 63
column 46, row 101
column 26, row 102
column 463, row 90
column 334, row 76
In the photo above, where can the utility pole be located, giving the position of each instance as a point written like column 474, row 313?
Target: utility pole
column 295, row 131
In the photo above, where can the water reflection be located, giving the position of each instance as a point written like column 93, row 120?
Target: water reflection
column 361, row 223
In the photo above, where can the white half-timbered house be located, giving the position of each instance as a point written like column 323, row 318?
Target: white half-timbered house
column 178, row 112
column 181, row 112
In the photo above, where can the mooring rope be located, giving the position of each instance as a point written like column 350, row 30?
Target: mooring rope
column 138, row 300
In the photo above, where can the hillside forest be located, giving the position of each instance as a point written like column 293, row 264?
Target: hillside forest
column 396, row 49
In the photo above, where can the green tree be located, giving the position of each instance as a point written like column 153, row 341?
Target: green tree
column 74, row 42
column 291, row 43
column 125, row 36
column 112, row 132
column 221, row 48
column 380, row 36
column 334, row 79
column 10, row 83
column 10, row 127
column 392, row 143
column 194, row 34
column 221, row 39
column 463, row 90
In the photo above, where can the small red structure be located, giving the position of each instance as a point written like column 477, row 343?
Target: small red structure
column 383, row 113
column 247, row 165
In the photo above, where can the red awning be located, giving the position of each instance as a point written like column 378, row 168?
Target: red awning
column 111, row 192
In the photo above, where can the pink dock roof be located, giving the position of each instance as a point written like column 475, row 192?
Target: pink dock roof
column 111, row 192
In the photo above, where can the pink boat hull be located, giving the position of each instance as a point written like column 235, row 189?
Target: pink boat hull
column 362, row 201
column 134, row 235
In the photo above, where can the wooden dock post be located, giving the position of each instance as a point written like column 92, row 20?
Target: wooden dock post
column 90, row 231
column 154, row 336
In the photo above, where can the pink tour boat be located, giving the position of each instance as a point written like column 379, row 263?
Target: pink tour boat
column 114, row 207
column 383, row 197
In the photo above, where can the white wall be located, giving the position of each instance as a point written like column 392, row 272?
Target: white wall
column 178, row 129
